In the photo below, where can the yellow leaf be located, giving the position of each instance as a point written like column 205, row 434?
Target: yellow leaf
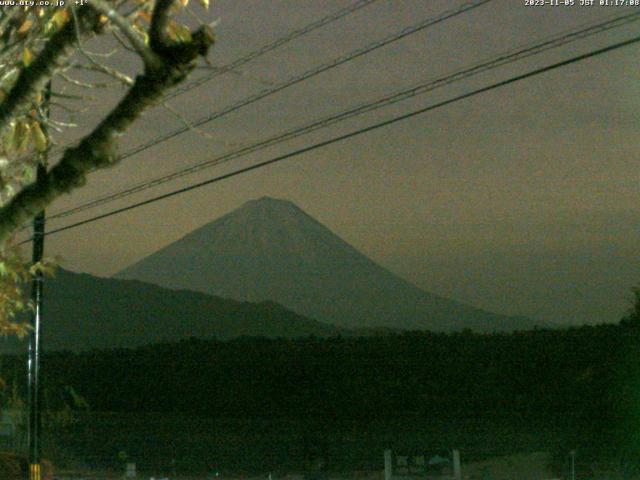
column 60, row 18
column 27, row 57
column 179, row 32
column 8, row 136
column 204, row 3
column 144, row 16
column 185, row 34
column 22, row 135
column 39, row 138
column 24, row 28
column 49, row 28
column 138, row 28
column 184, row 3
column 8, row 79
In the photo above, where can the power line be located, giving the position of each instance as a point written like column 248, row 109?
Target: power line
column 269, row 47
column 352, row 134
column 481, row 67
column 429, row 22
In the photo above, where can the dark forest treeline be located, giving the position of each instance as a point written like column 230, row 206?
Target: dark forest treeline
column 584, row 382
column 577, row 371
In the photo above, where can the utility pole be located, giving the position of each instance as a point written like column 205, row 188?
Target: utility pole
column 33, row 362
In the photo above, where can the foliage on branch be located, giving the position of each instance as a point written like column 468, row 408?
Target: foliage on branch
column 39, row 45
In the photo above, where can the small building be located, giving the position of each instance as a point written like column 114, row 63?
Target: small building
column 419, row 466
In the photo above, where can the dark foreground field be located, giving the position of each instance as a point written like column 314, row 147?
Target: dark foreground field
column 182, row 444
column 255, row 406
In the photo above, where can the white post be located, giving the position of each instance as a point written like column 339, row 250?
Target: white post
column 388, row 465
column 131, row 470
column 457, row 474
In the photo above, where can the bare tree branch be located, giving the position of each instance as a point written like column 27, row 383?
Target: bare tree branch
column 186, row 121
column 97, row 150
column 121, row 41
column 34, row 77
column 89, row 85
column 97, row 65
column 137, row 42
column 111, row 72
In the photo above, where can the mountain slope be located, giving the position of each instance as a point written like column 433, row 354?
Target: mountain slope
column 270, row 249
column 83, row 312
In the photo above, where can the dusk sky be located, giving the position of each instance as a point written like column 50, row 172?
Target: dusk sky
column 523, row 200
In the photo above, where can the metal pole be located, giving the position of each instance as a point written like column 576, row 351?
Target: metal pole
column 457, row 473
column 33, row 363
column 34, row 352
column 388, row 465
column 573, row 465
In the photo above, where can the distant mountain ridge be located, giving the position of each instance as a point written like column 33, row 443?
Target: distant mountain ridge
column 270, row 249
column 83, row 312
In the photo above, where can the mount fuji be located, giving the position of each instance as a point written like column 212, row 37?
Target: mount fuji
column 271, row 250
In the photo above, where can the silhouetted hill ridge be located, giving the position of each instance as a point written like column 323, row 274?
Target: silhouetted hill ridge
column 84, row 312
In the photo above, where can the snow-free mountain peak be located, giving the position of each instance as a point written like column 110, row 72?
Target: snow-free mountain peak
column 270, row 249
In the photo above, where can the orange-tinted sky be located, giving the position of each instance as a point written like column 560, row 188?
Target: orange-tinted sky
column 523, row 200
